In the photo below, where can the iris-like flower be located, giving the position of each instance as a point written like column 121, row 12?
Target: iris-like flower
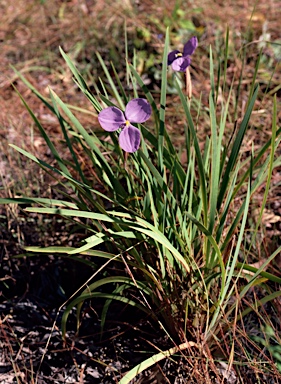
column 112, row 118
column 180, row 61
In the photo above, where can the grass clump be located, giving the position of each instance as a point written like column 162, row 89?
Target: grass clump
column 180, row 233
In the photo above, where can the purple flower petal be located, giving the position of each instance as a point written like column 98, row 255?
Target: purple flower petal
column 181, row 64
column 190, row 46
column 138, row 111
column 129, row 139
column 111, row 118
column 173, row 56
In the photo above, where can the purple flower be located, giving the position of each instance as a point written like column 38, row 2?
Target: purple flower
column 112, row 118
column 180, row 61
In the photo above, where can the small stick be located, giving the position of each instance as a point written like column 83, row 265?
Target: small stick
column 125, row 160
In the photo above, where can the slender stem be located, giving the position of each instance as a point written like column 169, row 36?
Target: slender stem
column 188, row 83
